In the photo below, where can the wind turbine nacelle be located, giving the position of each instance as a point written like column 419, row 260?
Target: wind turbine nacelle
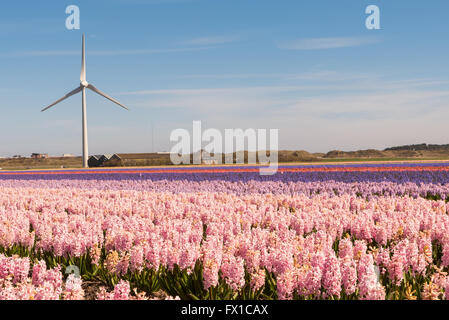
column 84, row 83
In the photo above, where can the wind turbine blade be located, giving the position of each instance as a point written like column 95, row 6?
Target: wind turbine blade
column 71, row 93
column 83, row 62
column 91, row 87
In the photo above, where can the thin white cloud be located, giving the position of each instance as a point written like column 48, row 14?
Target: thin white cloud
column 152, row 2
column 232, row 76
column 212, row 40
column 44, row 53
column 400, row 104
column 331, row 76
column 29, row 26
column 317, row 75
column 340, row 84
column 52, row 53
column 204, row 91
column 328, row 43
column 146, row 51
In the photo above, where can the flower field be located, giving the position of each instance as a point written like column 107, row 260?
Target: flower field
column 365, row 231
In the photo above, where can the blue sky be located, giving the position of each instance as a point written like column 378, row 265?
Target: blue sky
column 308, row 68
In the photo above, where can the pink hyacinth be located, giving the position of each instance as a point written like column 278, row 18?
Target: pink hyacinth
column 233, row 271
column 258, row 279
column 345, row 248
column 369, row 286
column 332, row 278
column 121, row 291
column 348, row 269
column 73, row 289
column 285, row 285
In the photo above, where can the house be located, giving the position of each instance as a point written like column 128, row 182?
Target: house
column 99, row 159
column 94, row 161
column 68, row 155
column 39, row 155
column 107, row 157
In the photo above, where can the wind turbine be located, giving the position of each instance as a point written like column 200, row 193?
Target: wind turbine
column 82, row 88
